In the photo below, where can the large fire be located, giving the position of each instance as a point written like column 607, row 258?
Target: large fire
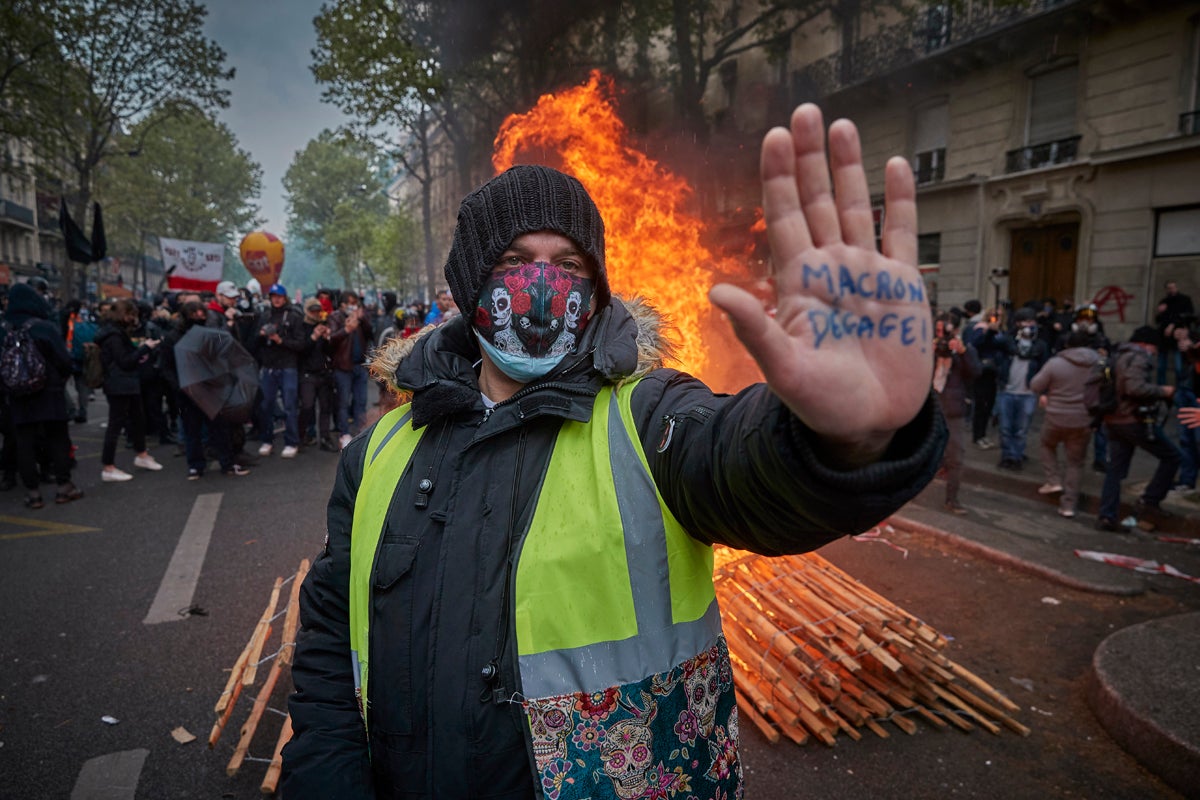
column 653, row 243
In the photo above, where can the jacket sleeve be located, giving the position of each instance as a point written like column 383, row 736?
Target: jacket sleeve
column 327, row 756
column 114, row 352
column 743, row 471
column 1040, row 382
column 1134, row 381
column 292, row 334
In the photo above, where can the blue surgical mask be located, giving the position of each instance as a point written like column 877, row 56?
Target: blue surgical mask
column 521, row 368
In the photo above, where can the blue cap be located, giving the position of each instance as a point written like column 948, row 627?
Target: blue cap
column 277, row 288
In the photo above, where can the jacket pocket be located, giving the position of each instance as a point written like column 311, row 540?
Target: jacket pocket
column 391, row 656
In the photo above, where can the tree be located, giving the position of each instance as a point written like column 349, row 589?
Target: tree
column 119, row 61
column 27, row 48
column 334, row 199
column 189, row 181
column 394, row 253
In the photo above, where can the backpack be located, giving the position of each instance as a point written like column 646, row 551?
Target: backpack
column 93, row 366
column 22, row 365
column 1100, row 390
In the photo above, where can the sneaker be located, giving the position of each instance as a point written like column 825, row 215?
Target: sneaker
column 1050, row 488
column 147, row 462
column 955, row 508
column 236, row 471
column 329, row 445
column 194, row 475
column 345, row 440
column 984, row 444
column 265, row 450
column 1066, row 512
column 1108, row 524
column 114, row 475
column 288, row 451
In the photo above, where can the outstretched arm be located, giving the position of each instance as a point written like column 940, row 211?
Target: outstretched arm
column 849, row 322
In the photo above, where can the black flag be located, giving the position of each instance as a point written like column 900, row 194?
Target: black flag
column 99, row 242
column 79, row 249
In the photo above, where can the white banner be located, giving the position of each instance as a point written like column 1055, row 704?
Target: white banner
column 192, row 265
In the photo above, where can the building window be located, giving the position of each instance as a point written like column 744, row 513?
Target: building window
column 929, row 249
column 1177, row 232
column 929, row 142
column 1052, row 106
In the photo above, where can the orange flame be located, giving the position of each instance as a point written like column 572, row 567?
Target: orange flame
column 652, row 242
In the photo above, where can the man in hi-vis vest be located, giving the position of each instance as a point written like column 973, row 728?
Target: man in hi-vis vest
column 515, row 599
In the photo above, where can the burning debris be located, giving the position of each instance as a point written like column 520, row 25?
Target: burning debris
column 816, row 653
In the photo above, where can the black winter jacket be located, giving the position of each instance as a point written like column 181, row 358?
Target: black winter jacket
column 49, row 404
column 122, row 360
column 740, row 470
column 289, row 324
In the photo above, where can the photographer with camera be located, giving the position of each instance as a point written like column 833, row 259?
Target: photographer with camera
column 1024, row 354
column 281, row 340
column 1135, row 424
column 955, row 367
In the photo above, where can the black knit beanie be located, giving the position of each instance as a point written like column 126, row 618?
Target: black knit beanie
column 522, row 199
column 1147, row 335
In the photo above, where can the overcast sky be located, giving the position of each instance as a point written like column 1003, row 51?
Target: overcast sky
column 275, row 104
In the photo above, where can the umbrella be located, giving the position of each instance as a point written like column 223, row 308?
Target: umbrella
column 217, row 373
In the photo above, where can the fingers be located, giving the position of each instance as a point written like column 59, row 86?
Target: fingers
column 812, row 176
column 787, row 230
column 850, row 185
column 900, row 212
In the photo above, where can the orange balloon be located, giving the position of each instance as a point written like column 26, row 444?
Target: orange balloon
column 262, row 255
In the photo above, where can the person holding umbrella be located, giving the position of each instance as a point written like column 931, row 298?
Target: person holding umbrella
column 183, row 341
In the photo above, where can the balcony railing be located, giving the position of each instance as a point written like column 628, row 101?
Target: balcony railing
column 1189, row 123
column 11, row 212
column 938, row 28
column 1046, row 154
column 930, row 166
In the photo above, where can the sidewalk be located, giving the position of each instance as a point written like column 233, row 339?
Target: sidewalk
column 1144, row 686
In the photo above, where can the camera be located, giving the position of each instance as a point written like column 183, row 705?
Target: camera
column 269, row 330
column 942, row 347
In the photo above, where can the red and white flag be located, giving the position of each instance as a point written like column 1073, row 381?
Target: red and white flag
column 194, row 266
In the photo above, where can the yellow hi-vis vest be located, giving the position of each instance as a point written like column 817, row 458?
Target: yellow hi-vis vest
column 609, row 587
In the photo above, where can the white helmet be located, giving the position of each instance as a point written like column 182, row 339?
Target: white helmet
column 253, row 286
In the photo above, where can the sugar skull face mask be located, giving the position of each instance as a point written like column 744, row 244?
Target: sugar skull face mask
column 530, row 316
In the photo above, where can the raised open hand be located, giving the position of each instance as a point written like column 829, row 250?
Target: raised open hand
column 846, row 346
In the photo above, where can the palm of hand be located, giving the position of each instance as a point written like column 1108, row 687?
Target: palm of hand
column 848, row 346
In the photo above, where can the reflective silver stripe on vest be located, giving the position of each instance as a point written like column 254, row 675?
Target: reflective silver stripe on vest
column 404, row 418
column 641, row 519
column 595, row 667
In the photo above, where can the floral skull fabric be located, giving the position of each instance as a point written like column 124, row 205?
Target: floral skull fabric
column 535, row 310
column 672, row 735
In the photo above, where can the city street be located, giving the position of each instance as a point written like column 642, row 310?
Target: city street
column 80, row 580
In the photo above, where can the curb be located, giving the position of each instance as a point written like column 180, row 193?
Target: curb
column 1139, row 690
column 1009, row 560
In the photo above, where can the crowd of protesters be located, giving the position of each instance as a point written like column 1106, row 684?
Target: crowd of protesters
column 310, row 360
column 994, row 366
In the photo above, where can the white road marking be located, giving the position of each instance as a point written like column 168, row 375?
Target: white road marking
column 179, row 583
column 110, row 777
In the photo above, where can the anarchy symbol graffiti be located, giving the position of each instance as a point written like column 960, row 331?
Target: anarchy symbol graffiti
column 1111, row 301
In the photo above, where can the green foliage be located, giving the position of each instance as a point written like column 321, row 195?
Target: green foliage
column 189, row 181
column 334, row 199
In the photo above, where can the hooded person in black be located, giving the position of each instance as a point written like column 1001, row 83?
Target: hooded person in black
column 41, row 417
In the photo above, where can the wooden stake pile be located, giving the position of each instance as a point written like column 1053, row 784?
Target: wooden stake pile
column 816, row 653
column 245, row 672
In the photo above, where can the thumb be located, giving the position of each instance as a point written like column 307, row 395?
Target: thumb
column 758, row 332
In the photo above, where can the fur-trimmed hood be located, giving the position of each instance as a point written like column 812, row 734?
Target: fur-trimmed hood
column 626, row 340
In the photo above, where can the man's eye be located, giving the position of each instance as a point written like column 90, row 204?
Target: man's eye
column 570, row 266
column 510, row 261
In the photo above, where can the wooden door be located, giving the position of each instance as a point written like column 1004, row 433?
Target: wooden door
column 1042, row 263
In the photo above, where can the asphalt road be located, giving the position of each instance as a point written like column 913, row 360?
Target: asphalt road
column 75, row 647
